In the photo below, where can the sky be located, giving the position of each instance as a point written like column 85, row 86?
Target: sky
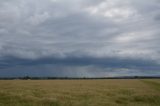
column 79, row 38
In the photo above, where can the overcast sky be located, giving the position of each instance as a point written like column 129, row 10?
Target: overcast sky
column 79, row 38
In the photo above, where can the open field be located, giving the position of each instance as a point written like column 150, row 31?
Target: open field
column 116, row 92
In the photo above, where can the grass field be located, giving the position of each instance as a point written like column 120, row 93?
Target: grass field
column 80, row 92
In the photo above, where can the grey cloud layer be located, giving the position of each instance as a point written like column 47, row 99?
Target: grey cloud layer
column 92, row 34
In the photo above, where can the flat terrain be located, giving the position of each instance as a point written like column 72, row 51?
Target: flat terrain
column 80, row 92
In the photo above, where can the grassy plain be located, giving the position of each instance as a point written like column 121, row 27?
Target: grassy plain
column 80, row 92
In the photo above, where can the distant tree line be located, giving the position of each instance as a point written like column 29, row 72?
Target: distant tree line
column 77, row 78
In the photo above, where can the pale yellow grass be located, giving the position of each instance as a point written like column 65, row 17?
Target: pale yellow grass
column 80, row 92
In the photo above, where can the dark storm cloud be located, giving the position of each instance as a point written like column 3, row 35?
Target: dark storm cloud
column 110, row 62
column 77, row 67
column 93, row 37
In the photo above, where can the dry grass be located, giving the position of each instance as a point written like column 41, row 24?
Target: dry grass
column 79, row 92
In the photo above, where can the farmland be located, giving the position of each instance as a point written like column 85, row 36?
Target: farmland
column 110, row 92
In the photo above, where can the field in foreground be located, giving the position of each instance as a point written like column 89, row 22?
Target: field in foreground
column 80, row 92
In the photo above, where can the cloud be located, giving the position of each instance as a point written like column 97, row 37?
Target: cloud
column 77, row 33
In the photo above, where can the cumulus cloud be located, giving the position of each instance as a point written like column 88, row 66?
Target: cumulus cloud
column 85, row 38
